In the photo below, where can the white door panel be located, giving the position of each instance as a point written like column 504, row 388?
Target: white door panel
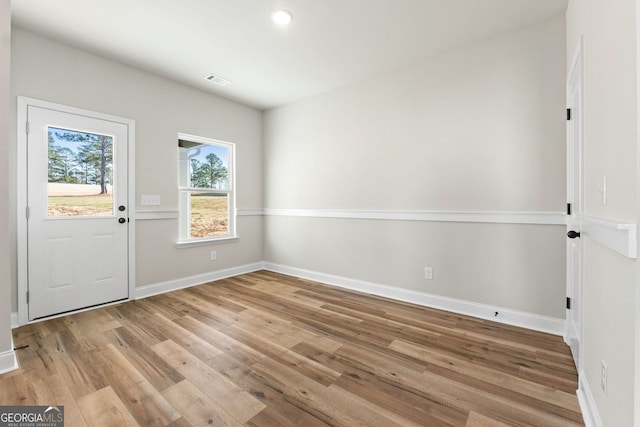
column 77, row 247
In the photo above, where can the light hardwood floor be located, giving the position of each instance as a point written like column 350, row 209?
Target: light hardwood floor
column 263, row 349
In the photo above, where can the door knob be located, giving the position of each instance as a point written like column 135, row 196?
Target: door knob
column 573, row 234
column 121, row 208
column 122, row 220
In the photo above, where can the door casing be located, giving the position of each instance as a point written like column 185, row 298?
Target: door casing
column 21, row 199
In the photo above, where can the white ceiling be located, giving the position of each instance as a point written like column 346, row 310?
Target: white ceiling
column 330, row 43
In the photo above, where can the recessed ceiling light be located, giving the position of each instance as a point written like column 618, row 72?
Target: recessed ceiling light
column 281, row 17
column 218, row 80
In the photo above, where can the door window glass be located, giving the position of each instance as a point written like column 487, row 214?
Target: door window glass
column 80, row 173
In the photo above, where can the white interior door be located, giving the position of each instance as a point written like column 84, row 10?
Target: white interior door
column 77, row 222
column 573, row 334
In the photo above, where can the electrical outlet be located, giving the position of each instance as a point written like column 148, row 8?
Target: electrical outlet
column 214, row 255
column 603, row 377
column 428, row 273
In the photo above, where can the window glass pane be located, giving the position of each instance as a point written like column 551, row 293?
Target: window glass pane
column 204, row 165
column 209, row 215
column 80, row 173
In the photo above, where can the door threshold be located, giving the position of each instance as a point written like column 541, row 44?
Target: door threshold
column 75, row 311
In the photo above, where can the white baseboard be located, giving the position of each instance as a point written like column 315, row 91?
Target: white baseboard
column 8, row 361
column 587, row 404
column 536, row 322
column 187, row 282
column 511, row 317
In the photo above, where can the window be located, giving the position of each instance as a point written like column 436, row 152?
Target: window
column 206, row 186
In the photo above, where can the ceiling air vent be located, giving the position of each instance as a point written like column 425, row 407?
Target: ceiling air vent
column 218, row 80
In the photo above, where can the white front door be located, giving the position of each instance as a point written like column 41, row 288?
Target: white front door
column 573, row 334
column 77, row 222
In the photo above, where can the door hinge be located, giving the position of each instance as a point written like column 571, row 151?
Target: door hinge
column 568, row 113
column 26, row 212
column 568, row 208
column 26, row 127
column 27, row 297
column 568, row 303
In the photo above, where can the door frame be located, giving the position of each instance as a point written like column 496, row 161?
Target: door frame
column 576, row 69
column 21, row 205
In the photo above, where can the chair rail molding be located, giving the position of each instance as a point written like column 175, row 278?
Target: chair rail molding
column 496, row 217
column 617, row 236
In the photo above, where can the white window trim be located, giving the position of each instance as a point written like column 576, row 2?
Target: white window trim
column 206, row 241
column 184, row 210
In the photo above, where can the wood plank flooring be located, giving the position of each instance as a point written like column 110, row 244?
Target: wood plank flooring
column 264, row 349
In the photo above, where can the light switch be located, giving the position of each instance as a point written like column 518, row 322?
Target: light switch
column 150, row 200
column 603, row 190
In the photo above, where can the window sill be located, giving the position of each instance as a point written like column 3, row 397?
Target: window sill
column 205, row 242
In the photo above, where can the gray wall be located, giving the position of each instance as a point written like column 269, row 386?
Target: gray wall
column 51, row 71
column 611, row 296
column 480, row 129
